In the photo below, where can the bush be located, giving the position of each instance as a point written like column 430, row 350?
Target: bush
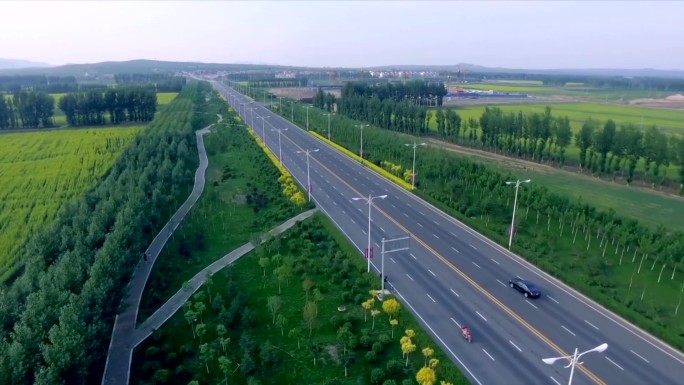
column 377, row 376
column 371, row 356
column 394, row 367
column 377, row 347
column 389, row 382
column 384, row 339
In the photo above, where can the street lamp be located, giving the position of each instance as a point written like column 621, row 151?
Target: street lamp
column 573, row 359
column 328, row 115
column 361, row 126
column 307, row 117
column 515, row 204
column 251, row 110
column 413, row 173
column 280, row 151
column 292, row 111
column 308, row 178
column 369, row 201
column 263, row 126
column 264, row 98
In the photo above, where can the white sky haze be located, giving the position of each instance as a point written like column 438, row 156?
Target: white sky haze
column 530, row 35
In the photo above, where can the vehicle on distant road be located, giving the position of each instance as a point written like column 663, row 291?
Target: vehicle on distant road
column 529, row 289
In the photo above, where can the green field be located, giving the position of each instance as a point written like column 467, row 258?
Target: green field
column 669, row 120
column 572, row 89
column 41, row 171
column 164, row 98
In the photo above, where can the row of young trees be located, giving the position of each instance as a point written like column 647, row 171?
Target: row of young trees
column 417, row 92
column 56, row 318
column 324, row 100
column 122, row 105
column 159, row 82
column 604, row 148
column 553, row 231
column 26, row 109
column 44, row 83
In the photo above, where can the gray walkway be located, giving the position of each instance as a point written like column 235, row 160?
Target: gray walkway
column 117, row 367
column 176, row 302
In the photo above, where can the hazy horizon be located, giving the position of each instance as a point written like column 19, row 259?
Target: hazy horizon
column 526, row 35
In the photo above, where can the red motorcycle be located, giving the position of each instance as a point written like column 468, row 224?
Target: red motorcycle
column 465, row 332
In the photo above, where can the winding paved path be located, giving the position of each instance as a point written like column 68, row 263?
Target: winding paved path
column 125, row 335
column 117, row 367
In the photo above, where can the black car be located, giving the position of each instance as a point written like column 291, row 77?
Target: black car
column 526, row 287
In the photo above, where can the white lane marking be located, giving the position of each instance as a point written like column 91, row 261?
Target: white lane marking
column 495, row 261
column 591, row 324
column 516, row 346
column 531, row 304
column 377, row 244
column 383, row 230
column 478, row 266
column 501, row 283
column 421, row 213
column 406, row 215
column 552, row 299
column 343, row 212
column 452, row 290
column 363, row 231
column 554, row 380
column 393, row 205
column 478, row 313
column 452, row 233
column 433, row 274
column 568, row 330
column 472, row 246
column 333, row 186
column 392, row 259
column 435, row 222
column 614, row 363
column 353, row 221
column 637, row 354
column 488, row 355
column 433, row 300
column 419, row 224
column 455, row 250
column 457, row 324
column 409, row 277
column 413, row 256
column 435, row 235
column 333, row 201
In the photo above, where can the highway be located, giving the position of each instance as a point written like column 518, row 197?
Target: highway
column 453, row 276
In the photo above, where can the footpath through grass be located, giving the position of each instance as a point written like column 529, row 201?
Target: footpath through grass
column 289, row 313
column 42, row 171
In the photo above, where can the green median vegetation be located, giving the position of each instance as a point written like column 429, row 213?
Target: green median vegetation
column 296, row 310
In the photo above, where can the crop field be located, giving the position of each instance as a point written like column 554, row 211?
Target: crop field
column 41, row 171
column 671, row 121
column 164, row 98
column 572, row 89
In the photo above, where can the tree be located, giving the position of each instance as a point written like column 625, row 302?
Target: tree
column 190, row 317
column 280, row 322
column 225, row 365
column 427, row 352
column 206, row 354
column 310, row 313
column 393, row 323
column 307, row 284
column 426, row 376
column 200, row 330
column 563, row 137
column 583, row 140
column 264, row 262
column 344, row 335
column 407, row 348
column 603, row 141
column 391, row 307
column 374, row 313
column 275, row 303
column 367, row 305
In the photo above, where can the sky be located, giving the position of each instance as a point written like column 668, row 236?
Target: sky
column 510, row 34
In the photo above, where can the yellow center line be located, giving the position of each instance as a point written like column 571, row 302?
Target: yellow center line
column 524, row 323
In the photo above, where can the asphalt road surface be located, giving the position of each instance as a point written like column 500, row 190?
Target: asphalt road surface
column 453, row 276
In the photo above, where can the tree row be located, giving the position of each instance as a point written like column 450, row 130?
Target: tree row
column 122, row 105
column 56, row 318
column 26, row 109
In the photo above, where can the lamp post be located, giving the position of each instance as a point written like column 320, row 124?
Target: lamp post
column 361, row 126
column 515, row 204
column 280, row 104
column 369, row 201
column 263, row 126
column 264, row 98
column 328, row 115
column 292, row 111
column 413, row 173
column 307, row 117
column 251, row 110
column 280, row 151
column 308, row 178
column 573, row 359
